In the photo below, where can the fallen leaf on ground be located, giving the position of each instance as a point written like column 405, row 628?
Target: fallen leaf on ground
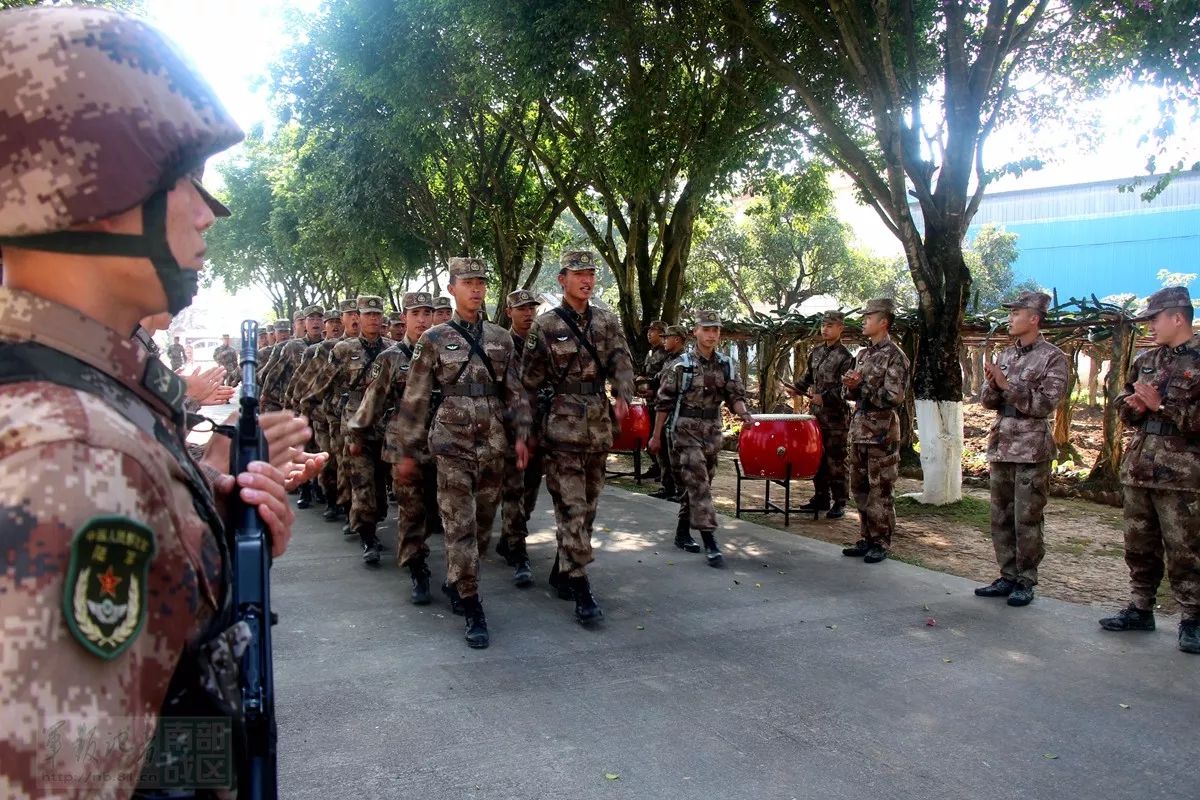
column 1050, row 756
column 612, row 776
column 931, row 622
column 1123, row 705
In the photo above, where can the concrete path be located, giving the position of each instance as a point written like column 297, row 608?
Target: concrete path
column 792, row 673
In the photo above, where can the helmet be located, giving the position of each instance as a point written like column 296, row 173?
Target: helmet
column 105, row 115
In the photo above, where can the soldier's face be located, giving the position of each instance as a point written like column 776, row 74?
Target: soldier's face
column 442, row 315
column 1021, row 321
column 832, row 331
column 370, row 322
column 417, row 321
column 396, row 329
column 522, row 317
column 264, row 339
column 1165, row 326
column 578, row 284
column 654, row 337
column 350, row 323
column 873, row 324
column 707, row 337
column 188, row 217
column 333, row 329
column 674, row 343
column 468, row 294
column 313, row 325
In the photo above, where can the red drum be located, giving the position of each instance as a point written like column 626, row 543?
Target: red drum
column 635, row 429
column 773, row 441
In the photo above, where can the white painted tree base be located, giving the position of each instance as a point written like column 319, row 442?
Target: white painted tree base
column 940, row 430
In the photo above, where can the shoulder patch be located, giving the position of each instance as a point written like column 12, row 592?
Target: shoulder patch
column 376, row 368
column 562, row 337
column 530, row 341
column 104, row 595
column 454, row 346
column 420, row 345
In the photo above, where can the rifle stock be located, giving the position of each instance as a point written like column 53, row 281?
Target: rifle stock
column 251, row 556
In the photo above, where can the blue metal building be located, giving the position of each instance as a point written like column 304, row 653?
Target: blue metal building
column 1090, row 238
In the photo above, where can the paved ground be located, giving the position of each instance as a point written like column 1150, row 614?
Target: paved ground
column 792, row 673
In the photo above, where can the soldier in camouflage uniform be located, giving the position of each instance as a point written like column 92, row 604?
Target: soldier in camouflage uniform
column 322, row 408
column 396, row 326
column 520, row 485
column 674, row 344
column 822, row 385
column 1024, row 386
column 691, row 392
column 878, row 384
column 267, row 376
column 227, row 358
column 175, row 353
column 417, row 515
column 350, row 366
column 442, row 310
column 647, row 385
column 574, row 351
column 483, row 409
column 1160, row 473
column 283, row 333
column 115, row 589
column 287, row 361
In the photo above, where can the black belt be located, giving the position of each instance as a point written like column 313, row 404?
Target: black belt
column 581, row 387
column 1012, row 411
column 470, row 390
column 1157, row 427
column 700, row 413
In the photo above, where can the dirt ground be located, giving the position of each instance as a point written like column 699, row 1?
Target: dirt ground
column 1087, row 433
column 1084, row 560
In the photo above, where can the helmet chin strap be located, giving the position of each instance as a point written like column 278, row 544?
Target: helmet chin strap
column 180, row 285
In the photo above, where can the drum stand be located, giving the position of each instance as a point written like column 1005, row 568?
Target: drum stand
column 769, row 506
column 637, row 473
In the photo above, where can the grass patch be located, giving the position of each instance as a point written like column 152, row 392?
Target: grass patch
column 970, row 511
column 916, row 561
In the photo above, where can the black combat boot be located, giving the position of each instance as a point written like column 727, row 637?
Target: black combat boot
column 1001, row 587
column 347, row 530
column 318, row 493
column 587, row 610
column 1189, row 635
column 683, row 537
column 305, row 495
column 332, row 513
column 370, row 546
column 1022, row 595
column 857, row 550
column 652, row 474
column 712, row 553
column 837, row 510
column 1129, row 618
column 420, row 582
column 456, row 602
column 816, row 504
column 523, row 574
column 558, row 580
column 875, row 553
column 503, row 551
column 476, row 628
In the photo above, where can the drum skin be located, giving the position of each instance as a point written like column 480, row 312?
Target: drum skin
column 773, row 441
column 635, row 429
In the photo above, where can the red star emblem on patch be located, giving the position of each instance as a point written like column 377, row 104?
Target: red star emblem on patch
column 109, row 583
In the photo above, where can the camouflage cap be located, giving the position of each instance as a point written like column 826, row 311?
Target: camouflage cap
column 264, row 328
column 833, row 316
column 462, row 267
column 396, row 318
column 333, row 315
column 1038, row 301
column 880, row 305
column 312, row 311
column 657, row 325
column 348, row 306
column 370, row 304
column 1163, row 299
column 417, row 300
column 283, row 326
column 100, row 113
column 298, row 316
column 441, row 301
column 578, row 260
column 675, row 330
column 521, row 297
column 707, row 318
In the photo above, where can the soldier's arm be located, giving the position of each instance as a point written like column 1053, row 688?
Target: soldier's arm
column 833, row 395
column 1042, row 399
column 516, row 400
column 1181, row 403
column 1130, row 415
column 620, row 364
column 806, row 380
column 991, row 397
column 414, row 406
column 668, row 388
column 322, row 379
column 374, row 400
column 735, row 395
column 890, row 391
column 535, row 361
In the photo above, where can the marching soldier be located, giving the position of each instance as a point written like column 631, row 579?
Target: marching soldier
column 1160, row 473
column 288, row 357
column 674, row 342
column 822, row 385
column 283, row 332
column 574, row 350
column 691, row 391
column 323, row 408
column 227, row 358
column 1024, row 387
column 520, row 486
column 646, row 382
column 878, row 384
column 442, row 310
column 417, row 515
column 175, row 353
column 483, row 409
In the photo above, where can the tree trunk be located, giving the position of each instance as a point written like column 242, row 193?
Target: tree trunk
column 743, row 359
column 1065, row 411
column 1106, row 471
column 1093, row 383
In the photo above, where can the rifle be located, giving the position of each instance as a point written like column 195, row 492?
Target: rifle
column 251, row 556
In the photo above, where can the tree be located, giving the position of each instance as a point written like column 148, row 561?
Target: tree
column 990, row 258
column 901, row 97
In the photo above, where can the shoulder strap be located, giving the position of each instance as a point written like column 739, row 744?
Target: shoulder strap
column 583, row 340
column 404, row 348
column 476, row 349
column 362, row 373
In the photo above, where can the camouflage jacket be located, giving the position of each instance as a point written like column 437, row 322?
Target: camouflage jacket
column 110, row 571
column 385, row 389
column 697, row 386
column 823, row 376
column 266, row 368
column 884, row 369
column 648, row 380
column 176, row 354
column 1037, row 377
column 288, row 360
column 579, row 416
column 311, row 396
column 227, row 357
column 350, row 364
column 301, row 377
column 1165, row 450
column 477, row 417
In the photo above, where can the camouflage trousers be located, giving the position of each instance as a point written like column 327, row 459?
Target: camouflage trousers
column 328, row 477
column 830, row 480
column 1158, row 522
column 517, row 501
column 663, row 457
column 873, row 472
column 468, row 492
column 696, row 467
column 338, row 442
column 574, row 481
column 417, row 516
column 368, row 476
column 1019, row 493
